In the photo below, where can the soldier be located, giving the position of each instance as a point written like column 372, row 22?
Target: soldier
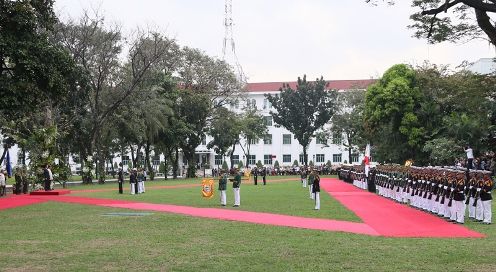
column 316, row 190
column 223, row 188
column 486, row 199
column 303, row 176
column 254, row 172
column 472, row 190
column 458, row 207
column 120, row 179
column 140, row 178
column 47, row 173
column 311, row 178
column 133, row 182
column 236, row 184
column 264, row 175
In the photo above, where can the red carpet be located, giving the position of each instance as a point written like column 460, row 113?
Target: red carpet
column 381, row 217
column 389, row 218
column 14, row 201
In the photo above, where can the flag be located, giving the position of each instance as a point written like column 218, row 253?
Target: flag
column 208, row 188
column 366, row 160
column 8, row 165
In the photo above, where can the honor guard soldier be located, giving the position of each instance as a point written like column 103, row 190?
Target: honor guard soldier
column 133, row 181
column 254, row 172
column 486, row 199
column 472, row 190
column 304, row 177
column 223, row 188
column 236, row 184
column 311, row 178
column 120, row 179
column 316, row 190
column 458, row 206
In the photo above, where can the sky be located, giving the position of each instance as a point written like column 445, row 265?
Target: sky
column 280, row 40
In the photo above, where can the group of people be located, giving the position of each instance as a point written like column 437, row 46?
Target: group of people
column 311, row 178
column 223, row 179
column 443, row 191
column 256, row 171
column 137, row 178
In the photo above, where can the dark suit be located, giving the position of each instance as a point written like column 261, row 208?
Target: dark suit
column 120, row 180
column 46, row 175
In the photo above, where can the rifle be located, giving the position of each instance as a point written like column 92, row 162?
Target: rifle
column 451, row 195
column 477, row 196
column 433, row 187
column 439, row 192
column 469, row 192
column 444, row 194
column 427, row 184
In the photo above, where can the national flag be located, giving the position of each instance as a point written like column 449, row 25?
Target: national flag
column 366, row 160
column 8, row 165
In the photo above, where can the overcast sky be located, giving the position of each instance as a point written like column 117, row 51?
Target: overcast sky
column 279, row 40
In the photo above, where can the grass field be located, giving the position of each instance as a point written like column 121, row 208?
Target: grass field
column 70, row 237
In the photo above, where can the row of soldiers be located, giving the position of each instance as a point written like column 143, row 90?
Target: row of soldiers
column 439, row 190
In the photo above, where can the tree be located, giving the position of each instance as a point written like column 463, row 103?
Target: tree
column 225, row 128
column 259, row 164
column 295, row 163
column 97, row 49
column 453, row 20
column 304, row 110
column 253, row 128
column 276, row 164
column 349, row 120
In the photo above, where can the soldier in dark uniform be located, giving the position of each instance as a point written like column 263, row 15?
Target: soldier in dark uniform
column 120, row 179
column 264, row 175
column 133, row 182
column 254, row 172
column 303, row 176
column 486, row 199
column 316, row 190
column 458, row 205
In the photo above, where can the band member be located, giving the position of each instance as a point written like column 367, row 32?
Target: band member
column 223, row 187
column 316, row 190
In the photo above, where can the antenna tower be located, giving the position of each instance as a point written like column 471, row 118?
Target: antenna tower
column 229, row 47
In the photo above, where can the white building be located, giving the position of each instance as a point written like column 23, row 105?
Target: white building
column 280, row 145
column 483, row 66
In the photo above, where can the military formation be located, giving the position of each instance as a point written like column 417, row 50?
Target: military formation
column 444, row 191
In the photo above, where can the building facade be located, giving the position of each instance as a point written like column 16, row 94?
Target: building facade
column 279, row 144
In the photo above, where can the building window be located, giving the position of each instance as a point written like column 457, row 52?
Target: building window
column 252, row 159
column 336, row 157
column 125, row 160
column 286, row 158
column 302, row 161
column 320, row 158
column 75, row 158
column 267, row 104
column 268, row 139
column 218, row 160
column 267, row 120
column 286, row 139
column 354, row 158
column 253, row 141
column 337, row 138
column 321, row 140
column 268, row 159
column 156, row 160
column 235, row 159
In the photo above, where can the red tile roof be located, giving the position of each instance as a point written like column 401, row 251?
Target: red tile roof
column 333, row 84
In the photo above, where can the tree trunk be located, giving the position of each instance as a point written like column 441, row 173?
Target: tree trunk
column 231, row 156
column 175, row 164
column 133, row 157
column 165, row 165
column 305, row 159
column 147, row 160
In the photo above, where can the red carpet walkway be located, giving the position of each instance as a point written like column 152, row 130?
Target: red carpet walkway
column 381, row 217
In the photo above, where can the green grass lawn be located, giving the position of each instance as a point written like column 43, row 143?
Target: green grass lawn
column 71, row 237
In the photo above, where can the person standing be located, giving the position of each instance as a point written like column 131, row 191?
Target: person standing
column 254, row 172
column 120, row 179
column 470, row 156
column 458, row 211
column 132, row 181
column 47, row 173
column 316, row 190
column 3, row 183
column 486, row 199
column 304, row 177
column 311, row 178
column 223, row 187
column 236, row 185
column 264, row 175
